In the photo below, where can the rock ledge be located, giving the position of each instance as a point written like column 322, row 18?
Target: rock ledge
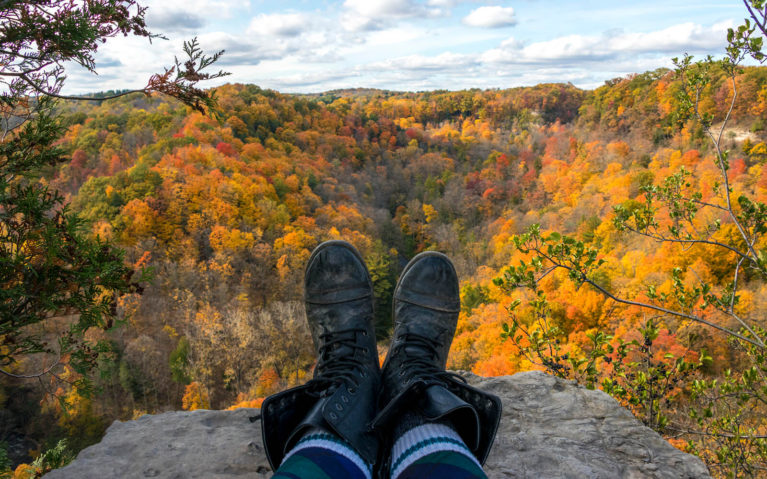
column 551, row 428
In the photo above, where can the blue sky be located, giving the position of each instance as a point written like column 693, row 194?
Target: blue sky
column 303, row 46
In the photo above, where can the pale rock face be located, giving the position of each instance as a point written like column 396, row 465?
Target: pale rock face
column 550, row 428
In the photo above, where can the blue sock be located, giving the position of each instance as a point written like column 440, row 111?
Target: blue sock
column 320, row 454
column 433, row 450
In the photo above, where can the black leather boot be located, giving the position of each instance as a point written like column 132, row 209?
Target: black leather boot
column 341, row 398
column 426, row 307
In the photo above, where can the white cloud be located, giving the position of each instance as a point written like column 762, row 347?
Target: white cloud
column 442, row 62
column 312, row 79
column 165, row 20
column 387, row 44
column 403, row 36
column 585, row 60
column 382, row 8
column 511, row 43
column 686, row 37
column 354, row 22
column 122, row 63
column 280, row 24
column 244, row 49
column 206, row 9
column 572, row 47
column 677, row 38
column 369, row 15
column 491, row 17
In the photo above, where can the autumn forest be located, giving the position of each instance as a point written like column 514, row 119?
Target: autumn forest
column 218, row 213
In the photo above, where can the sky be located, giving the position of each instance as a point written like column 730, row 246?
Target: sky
column 298, row 46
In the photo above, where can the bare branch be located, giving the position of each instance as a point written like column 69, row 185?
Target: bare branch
column 704, row 203
column 32, row 376
column 660, row 238
column 80, row 98
column 720, row 161
column 735, row 284
column 763, row 24
column 721, row 434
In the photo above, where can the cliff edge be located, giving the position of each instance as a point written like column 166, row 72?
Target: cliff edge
column 551, row 428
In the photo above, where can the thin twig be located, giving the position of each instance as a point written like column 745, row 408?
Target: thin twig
column 660, row 238
column 79, row 98
column 720, row 160
column 727, row 435
column 735, row 284
column 32, row 376
column 762, row 25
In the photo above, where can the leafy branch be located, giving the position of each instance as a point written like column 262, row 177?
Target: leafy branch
column 727, row 412
column 50, row 267
column 39, row 37
column 580, row 261
column 748, row 38
column 751, row 222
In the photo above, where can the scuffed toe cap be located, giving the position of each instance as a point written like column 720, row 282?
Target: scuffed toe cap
column 336, row 273
column 430, row 281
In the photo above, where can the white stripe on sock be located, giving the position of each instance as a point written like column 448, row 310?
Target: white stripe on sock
column 414, row 445
column 338, row 446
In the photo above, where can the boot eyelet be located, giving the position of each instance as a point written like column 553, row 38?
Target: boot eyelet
column 333, row 416
column 339, row 407
column 352, row 391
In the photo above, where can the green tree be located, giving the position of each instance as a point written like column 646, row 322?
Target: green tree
column 49, row 266
column 179, row 362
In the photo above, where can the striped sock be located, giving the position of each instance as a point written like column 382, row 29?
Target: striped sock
column 433, row 450
column 322, row 455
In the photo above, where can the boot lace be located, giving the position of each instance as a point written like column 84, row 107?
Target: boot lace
column 338, row 362
column 422, row 359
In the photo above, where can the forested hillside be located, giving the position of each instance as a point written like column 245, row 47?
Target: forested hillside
column 223, row 212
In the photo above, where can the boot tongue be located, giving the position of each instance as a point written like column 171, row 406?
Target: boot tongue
column 340, row 350
column 427, row 333
column 418, row 351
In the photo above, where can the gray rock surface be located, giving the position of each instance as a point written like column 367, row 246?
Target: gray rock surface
column 550, row 428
